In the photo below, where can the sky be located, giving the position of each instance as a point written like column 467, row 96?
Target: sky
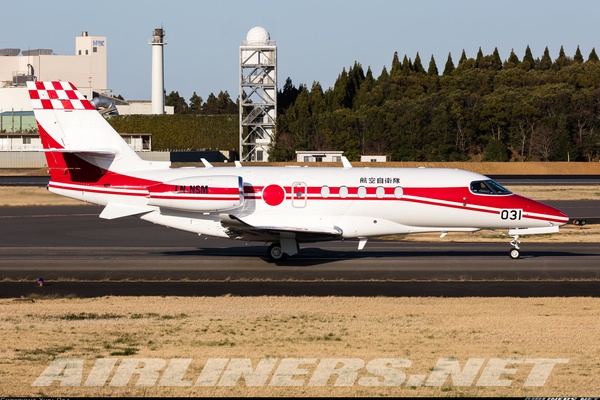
column 316, row 39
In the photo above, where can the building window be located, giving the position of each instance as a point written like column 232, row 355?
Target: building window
column 86, row 52
column 95, row 49
column 318, row 158
column 259, row 155
column 337, row 159
column 26, row 140
column 306, row 158
column 79, row 52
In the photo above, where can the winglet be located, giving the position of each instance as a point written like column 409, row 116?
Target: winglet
column 206, row 163
column 346, row 163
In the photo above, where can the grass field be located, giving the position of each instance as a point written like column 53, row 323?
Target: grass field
column 500, row 339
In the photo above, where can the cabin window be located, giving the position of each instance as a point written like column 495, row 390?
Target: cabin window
column 343, row 192
column 398, row 192
column 362, row 192
column 380, row 192
column 325, row 192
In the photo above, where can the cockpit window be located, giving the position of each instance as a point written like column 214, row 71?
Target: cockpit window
column 489, row 187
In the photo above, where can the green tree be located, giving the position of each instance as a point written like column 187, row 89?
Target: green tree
column 195, row 104
column 463, row 57
column 495, row 150
column 512, row 61
column 287, row 96
column 528, row 62
column 546, row 62
column 407, row 66
column 396, row 65
column 479, row 59
column 418, row 65
column 449, row 67
column 211, row 106
column 225, row 105
column 432, row 69
column 177, row 102
column 562, row 60
column 578, row 58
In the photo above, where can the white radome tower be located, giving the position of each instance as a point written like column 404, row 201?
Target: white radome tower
column 158, row 75
column 258, row 94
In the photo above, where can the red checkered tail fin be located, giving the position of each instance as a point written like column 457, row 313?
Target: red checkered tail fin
column 75, row 136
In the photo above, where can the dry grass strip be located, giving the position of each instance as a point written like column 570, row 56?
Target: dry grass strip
column 421, row 330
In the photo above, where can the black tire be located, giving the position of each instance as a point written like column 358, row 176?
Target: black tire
column 275, row 253
column 514, row 254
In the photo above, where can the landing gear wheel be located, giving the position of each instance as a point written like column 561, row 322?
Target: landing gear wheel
column 275, row 253
column 514, row 254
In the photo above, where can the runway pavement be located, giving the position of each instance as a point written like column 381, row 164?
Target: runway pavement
column 76, row 253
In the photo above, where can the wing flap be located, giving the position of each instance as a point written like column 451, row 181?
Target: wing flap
column 115, row 210
column 238, row 228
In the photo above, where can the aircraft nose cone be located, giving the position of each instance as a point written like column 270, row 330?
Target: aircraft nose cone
column 544, row 212
column 555, row 215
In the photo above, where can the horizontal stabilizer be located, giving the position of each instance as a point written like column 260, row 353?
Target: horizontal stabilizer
column 115, row 210
column 103, row 152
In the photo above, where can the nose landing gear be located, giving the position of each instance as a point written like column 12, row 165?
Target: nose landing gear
column 515, row 252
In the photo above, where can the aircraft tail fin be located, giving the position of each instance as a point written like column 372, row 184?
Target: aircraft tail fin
column 79, row 144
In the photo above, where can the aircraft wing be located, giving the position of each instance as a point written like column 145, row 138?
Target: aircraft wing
column 238, row 229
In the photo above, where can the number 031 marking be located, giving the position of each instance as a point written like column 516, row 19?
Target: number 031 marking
column 513, row 215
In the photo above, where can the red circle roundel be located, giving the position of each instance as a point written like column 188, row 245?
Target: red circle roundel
column 273, row 195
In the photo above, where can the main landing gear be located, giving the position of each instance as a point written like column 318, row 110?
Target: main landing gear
column 284, row 248
column 515, row 252
column 275, row 252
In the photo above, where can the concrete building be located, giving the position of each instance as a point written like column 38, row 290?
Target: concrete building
column 319, row 156
column 373, row 158
column 86, row 69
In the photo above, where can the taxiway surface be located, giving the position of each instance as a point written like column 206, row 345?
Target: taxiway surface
column 76, row 253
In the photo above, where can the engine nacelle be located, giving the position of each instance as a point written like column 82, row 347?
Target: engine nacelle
column 211, row 193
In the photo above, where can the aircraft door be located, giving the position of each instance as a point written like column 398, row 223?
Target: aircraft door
column 299, row 193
